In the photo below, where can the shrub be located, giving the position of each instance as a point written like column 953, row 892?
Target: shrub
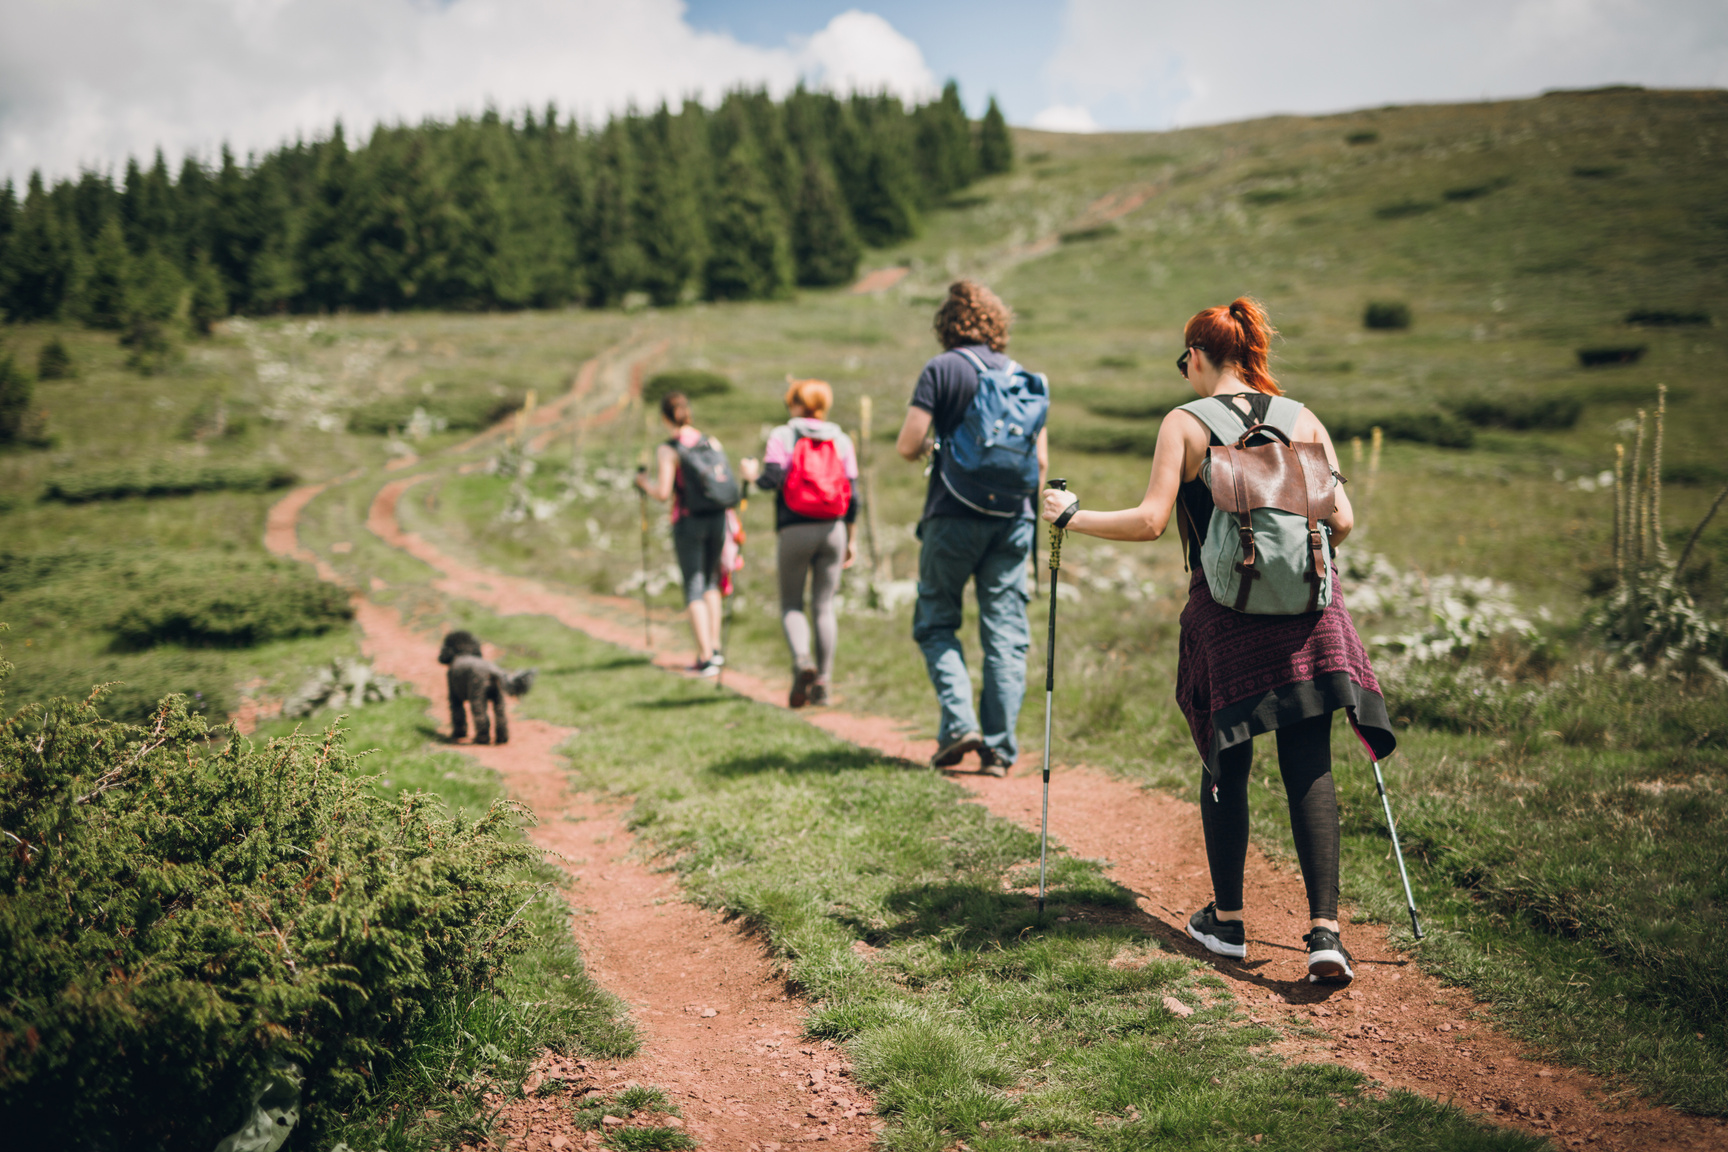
column 166, row 478
column 1364, row 137
column 16, row 389
column 693, row 382
column 1476, row 191
column 178, row 920
column 1597, row 171
column 1441, row 429
column 1096, row 232
column 1664, row 318
column 1386, row 314
column 53, row 362
column 1599, row 357
column 253, row 605
column 462, row 412
column 1131, row 440
column 1519, row 412
column 1404, row 208
column 135, row 681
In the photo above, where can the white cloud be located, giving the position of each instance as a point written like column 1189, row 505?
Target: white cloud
column 1156, row 63
column 862, row 52
column 1066, row 118
column 88, row 82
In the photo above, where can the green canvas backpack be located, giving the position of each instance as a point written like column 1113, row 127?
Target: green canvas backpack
column 1268, row 550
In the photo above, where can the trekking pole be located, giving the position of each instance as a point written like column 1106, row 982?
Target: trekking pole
column 647, row 627
column 725, row 601
column 1380, row 783
column 1049, row 695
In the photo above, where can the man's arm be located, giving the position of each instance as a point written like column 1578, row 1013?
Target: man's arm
column 914, row 438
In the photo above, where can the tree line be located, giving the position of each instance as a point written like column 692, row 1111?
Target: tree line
column 742, row 201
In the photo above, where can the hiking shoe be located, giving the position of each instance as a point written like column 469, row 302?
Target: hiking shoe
column 951, row 753
column 818, row 694
column 1224, row 937
column 802, row 681
column 705, row 668
column 1328, row 960
column 989, row 764
column 718, row 659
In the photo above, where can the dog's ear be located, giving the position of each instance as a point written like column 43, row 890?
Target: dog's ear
column 458, row 643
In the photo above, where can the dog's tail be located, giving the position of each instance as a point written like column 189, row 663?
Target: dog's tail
column 518, row 683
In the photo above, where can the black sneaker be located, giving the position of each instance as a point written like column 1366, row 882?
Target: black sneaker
column 802, row 681
column 818, row 694
column 1328, row 961
column 951, row 753
column 1224, row 937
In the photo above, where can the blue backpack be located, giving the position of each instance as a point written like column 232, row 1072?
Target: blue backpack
column 990, row 462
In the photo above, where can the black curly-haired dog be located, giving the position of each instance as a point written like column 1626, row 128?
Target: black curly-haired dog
column 474, row 682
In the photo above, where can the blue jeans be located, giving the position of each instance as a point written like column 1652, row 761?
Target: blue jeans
column 993, row 552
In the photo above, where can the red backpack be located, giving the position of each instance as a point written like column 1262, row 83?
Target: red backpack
column 816, row 484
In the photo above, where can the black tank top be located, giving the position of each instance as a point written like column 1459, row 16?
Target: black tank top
column 1196, row 498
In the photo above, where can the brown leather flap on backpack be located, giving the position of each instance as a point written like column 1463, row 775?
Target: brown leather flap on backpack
column 1294, row 478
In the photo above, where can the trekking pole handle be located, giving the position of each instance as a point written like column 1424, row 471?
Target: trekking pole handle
column 1056, row 533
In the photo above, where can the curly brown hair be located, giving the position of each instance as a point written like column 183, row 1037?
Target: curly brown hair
column 973, row 314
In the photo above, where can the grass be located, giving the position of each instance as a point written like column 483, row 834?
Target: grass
column 1599, row 227
column 901, row 910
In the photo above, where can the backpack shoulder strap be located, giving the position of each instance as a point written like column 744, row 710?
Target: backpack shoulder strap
column 1220, row 419
column 977, row 362
column 1282, row 414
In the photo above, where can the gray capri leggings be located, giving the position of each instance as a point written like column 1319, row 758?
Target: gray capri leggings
column 814, row 551
column 698, row 540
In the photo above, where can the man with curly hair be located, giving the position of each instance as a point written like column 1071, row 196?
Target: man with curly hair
column 961, row 543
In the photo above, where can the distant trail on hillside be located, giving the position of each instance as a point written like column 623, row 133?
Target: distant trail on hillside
column 1395, row 1023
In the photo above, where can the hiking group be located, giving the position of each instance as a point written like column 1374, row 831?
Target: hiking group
column 1250, row 478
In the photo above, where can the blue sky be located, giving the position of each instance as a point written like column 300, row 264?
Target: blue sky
column 86, row 83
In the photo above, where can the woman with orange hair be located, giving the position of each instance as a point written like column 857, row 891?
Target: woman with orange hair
column 812, row 469
column 1240, row 675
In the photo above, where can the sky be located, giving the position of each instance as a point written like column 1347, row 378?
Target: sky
column 87, row 83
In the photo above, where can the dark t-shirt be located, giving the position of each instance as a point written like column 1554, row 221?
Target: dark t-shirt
column 945, row 390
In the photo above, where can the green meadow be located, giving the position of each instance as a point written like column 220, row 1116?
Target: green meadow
column 1556, row 259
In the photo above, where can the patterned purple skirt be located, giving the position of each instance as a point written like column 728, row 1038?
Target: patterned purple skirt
column 1239, row 675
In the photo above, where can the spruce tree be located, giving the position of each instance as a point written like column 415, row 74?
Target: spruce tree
column 155, row 299
column 945, row 156
column 616, row 260
column 885, row 206
column 15, row 393
column 209, row 301
column 669, row 218
column 995, row 146
column 825, row 246
column 39, row 258
column 101, row 295
column 751, row 256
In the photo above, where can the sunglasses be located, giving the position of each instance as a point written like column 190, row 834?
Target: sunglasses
column 1182, row 362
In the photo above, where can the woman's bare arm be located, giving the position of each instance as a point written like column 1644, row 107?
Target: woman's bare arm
column 666, row 461
column 1343, row 517
column 1148, row 519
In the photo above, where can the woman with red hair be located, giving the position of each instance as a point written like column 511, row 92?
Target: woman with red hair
column 1240, row 675
column 812, row 469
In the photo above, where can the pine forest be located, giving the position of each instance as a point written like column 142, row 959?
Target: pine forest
column 742, row 201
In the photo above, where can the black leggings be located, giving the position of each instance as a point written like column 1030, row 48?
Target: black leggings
column 1305, row 763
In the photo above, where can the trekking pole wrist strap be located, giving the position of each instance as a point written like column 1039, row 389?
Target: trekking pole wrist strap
column 1068, row 514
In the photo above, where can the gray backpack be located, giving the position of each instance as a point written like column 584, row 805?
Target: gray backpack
column 1268, row 551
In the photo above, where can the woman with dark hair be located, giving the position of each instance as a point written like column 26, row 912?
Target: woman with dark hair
column 1240, row 675
column 698, row 532
column 811, row 468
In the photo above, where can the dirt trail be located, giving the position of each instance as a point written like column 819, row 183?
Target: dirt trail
column 1394, row 1023
column 720, row 1032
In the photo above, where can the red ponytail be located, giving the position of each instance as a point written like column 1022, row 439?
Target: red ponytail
column 1240, row 337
